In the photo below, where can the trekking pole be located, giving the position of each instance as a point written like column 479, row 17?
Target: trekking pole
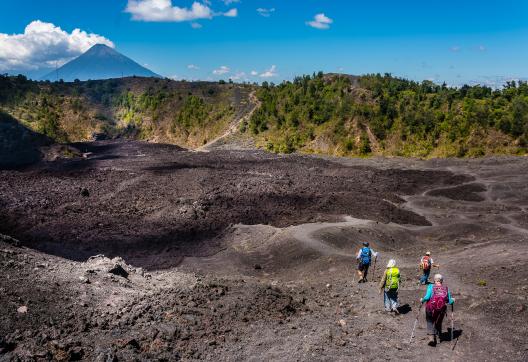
column 452, row 321
column 415, row 323
column 453, row 326
column 374, row 269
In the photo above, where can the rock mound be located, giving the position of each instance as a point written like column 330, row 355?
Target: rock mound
column 19, row 146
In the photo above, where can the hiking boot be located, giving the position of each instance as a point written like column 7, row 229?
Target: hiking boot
column 432, row 341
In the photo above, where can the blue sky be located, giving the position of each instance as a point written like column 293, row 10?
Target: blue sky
column 453, row 41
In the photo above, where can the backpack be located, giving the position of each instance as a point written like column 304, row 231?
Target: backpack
column 393, row 279
column 426, row 263
column 365, row 256
column 439, row 299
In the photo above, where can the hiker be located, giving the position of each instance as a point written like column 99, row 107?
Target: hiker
column 364, row 257
column 390, row 284
column 437, row 298
column 426, row 264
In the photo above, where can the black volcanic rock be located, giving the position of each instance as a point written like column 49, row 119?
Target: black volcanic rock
column 99, row 62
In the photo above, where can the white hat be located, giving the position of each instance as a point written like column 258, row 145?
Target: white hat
column 438, row 278
column 391, row 263
column 428, row 253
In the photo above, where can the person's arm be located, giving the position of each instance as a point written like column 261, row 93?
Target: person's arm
column 428, row 294
column 383, row 281
column 374, row 254
column 433, row 264
column 358, row 254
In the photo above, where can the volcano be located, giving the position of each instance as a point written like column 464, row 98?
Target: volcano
column 99, row 62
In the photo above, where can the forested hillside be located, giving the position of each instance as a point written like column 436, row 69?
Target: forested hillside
column 329, row 114
column 159, row 110
column 375, row 114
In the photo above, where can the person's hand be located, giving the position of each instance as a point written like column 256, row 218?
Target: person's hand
column 379, row 291
column 453, row 299
column 421, row 300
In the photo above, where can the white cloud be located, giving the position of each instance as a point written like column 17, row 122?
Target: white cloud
column 44, row 45
column 164, row 10
column 254, row 73
column 320, row 21
column 265, row 12
column 233, row 13
column 222, row 70
column 193, row 67
column 455, row 48
column 196, row 25
column 270, row 73
column 229, row 2
column 239, row 76
column 482, row 48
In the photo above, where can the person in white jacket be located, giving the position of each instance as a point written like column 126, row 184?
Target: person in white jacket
column 364, row 258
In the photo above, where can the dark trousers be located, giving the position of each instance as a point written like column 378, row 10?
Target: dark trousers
column 364, row 269
column 434, row 321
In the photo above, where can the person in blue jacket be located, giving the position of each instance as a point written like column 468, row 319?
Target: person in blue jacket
column 437, row 297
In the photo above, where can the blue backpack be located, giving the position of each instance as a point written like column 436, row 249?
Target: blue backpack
column 365, row 256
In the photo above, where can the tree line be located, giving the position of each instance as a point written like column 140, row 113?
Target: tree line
column 352, row 112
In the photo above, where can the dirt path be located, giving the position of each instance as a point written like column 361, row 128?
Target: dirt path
column 305, row 233
column 234, row 127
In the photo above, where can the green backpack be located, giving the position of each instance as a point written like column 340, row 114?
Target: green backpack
column 393, row 279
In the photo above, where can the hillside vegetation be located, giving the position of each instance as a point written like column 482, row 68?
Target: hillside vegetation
column 328, row 114
column 160, row 110
column 375, row 114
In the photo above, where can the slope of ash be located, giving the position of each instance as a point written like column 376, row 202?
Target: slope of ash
column 150, row 252
column 154, row 204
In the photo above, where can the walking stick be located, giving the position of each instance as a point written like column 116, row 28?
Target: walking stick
column 374, row 269
column 452, row 321
column 453, row 326
column 415, row 322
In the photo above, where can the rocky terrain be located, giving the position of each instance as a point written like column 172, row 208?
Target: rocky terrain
column 139, row 251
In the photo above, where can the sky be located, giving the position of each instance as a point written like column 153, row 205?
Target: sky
column 456, row 42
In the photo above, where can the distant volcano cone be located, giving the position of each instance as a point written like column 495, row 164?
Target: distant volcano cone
column 99, row 62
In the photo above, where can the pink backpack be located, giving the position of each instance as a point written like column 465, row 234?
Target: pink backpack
column 439, row 299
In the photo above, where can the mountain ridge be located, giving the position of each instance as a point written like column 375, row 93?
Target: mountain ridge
column 329, row 114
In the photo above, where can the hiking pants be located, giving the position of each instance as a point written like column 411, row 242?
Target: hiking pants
column 434, row 321
column 425, row 276
column 390, row 297
column 364, row 269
